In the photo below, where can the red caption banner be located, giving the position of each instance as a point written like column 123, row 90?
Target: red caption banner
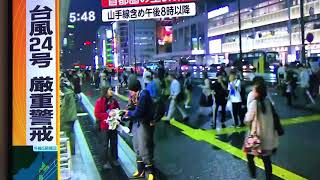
column 126, row 3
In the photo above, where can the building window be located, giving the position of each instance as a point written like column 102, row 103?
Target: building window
column 187, row 38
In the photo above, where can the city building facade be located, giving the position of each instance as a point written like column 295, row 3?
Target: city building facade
column 134, row 41
column 189, row 39
column 103, row 48
column 272, row 25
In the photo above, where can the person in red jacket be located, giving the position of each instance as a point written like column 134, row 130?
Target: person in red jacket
column 101, row 111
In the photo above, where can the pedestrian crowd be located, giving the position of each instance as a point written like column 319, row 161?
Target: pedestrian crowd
column 162, row 94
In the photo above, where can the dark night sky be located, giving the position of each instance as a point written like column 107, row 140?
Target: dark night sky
column 87, row 30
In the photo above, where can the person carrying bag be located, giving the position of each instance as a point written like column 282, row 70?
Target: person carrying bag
column 263, row 138
column 252, row 143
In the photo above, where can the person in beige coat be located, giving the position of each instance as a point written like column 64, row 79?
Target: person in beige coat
column 260, row 112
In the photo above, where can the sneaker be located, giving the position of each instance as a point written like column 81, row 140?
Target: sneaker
column 137, row 175
column 116, row 163
column 242, row 125
column 107, row 166
column 187, row 107
column 213, row 126
column 223, row 126
column 130, row 134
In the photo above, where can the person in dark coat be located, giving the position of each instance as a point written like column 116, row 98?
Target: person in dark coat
column 97, row 79
column 220, row 89
column 68, row 111
column 76, row 83
column 141, row 116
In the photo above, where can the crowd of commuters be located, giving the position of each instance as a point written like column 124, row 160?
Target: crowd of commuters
column 303, row 80
column 160, row 94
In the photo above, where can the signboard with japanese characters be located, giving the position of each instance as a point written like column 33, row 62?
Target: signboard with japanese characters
column 125, row 3
column 41, row 72
column 35, row 73
column 41, row 69
column 149, row 12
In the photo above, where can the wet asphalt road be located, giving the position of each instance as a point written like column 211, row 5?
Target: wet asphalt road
column 177, row 156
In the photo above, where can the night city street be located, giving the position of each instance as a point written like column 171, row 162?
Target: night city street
column 218, row 152
column 141, row 79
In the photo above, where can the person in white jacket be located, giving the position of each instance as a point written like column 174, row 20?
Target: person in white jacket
column 234, row 88
column 176, row 102
column 260, row 113
column 304, row 78
column 147, row 76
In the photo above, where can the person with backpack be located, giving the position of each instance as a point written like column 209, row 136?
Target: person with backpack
column 102, row 109
column 176, row 98
column 234, row 88
column 263, row 138
column 220, row 89
column 141, row 116
column 187, row 84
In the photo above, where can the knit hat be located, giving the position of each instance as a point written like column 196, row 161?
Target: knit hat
column 134, row 84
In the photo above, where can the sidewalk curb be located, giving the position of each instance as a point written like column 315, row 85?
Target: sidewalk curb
column 126, row 155
column 85, row 151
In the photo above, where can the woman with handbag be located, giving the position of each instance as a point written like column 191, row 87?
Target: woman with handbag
column 262, row 139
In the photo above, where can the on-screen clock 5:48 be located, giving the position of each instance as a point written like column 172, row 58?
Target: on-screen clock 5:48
column 85, row 16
